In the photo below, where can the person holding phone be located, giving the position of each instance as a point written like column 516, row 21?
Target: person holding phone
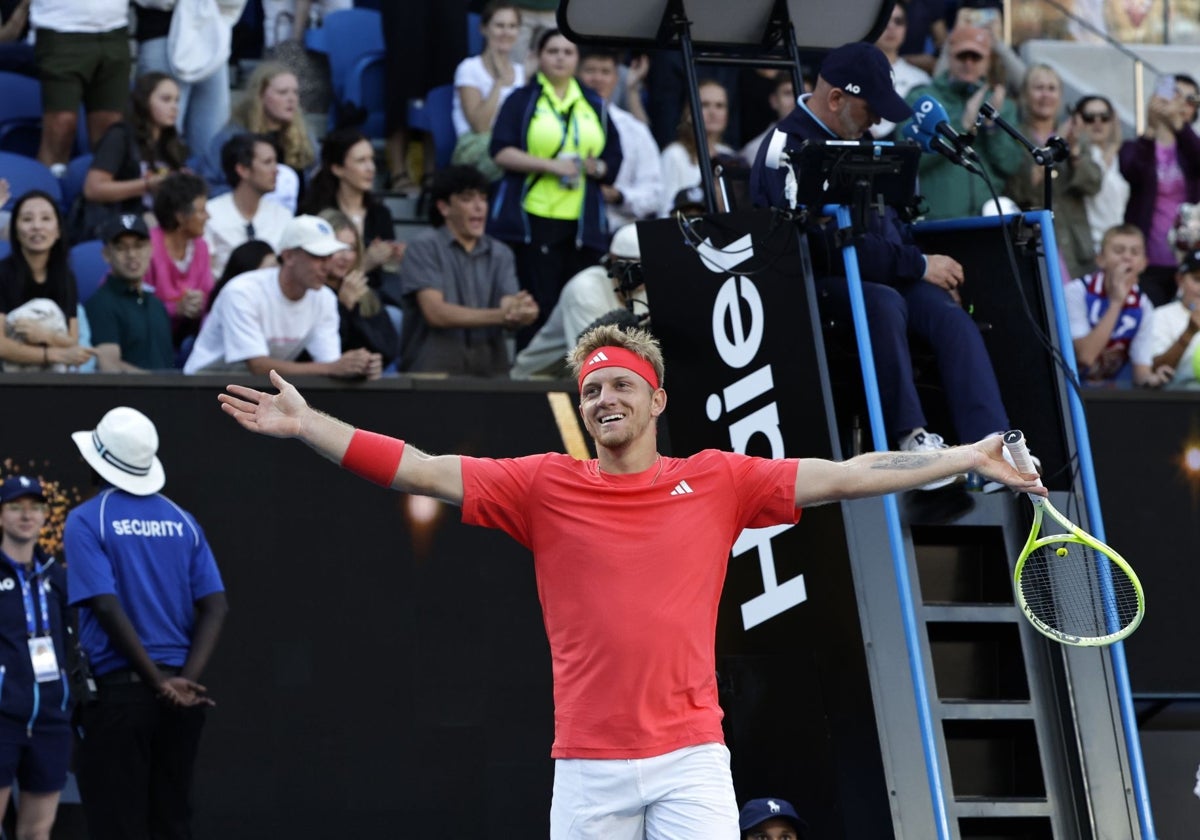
column 1163, row 170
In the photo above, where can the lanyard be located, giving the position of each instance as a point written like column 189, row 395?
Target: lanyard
column 27, row 599
column 568, row 119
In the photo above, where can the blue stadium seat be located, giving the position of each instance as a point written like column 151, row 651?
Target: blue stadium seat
column 434, row 116
column 20, row 114
column 89, row 267
column 345, row 36
column 72, row 181
column 5, row 248
column 474, row 34
column 25, row 174
column 366, row 87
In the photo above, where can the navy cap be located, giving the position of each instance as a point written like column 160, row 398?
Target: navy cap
column 758, row 811
column 122, row 224
column 861, row 69
column 20, row 486
column 1191, row 262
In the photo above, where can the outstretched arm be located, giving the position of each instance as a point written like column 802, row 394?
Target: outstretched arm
column 876, row 473
column 287, row 415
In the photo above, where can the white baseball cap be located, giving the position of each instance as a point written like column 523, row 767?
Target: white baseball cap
column 311, row 234
column 123, row 448
column 625, row 243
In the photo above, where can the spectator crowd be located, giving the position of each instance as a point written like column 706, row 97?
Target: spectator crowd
column 557, row 147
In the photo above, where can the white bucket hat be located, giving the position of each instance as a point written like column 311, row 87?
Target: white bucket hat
column 122, row 448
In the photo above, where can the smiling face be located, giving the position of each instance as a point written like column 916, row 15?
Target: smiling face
column 1043, row 94
column 618, row 407
column 501, row 30
column 22, row 519
column 342, row 262
column 37, row 226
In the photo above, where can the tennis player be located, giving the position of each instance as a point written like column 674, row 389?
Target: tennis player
column 630, row 551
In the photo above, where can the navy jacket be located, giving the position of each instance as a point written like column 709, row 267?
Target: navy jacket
column 886, row 253
column 22, row 699
column 507, row 219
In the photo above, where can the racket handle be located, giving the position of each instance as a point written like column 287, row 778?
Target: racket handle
column 1014, row 442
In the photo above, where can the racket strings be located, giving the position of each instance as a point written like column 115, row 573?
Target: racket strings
column 1078, row 591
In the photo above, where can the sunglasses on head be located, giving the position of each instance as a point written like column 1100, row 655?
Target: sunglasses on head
column 1102, row 116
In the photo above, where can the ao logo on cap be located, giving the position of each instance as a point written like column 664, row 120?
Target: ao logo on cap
column 853, row 88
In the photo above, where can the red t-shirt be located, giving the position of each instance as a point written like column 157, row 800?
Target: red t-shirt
column 629, row 573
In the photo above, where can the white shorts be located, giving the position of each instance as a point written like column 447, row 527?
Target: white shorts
column 682, row 795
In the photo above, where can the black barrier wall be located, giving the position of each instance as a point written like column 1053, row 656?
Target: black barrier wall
column 383, row 671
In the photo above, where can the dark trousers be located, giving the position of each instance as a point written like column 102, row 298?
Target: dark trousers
column 134, row 757
column 965, row 369
column 546, row 264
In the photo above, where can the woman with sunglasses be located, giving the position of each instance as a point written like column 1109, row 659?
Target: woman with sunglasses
column 1095, row 118
column 1073, row 180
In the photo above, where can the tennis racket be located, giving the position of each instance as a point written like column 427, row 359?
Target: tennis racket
column 1072, row 587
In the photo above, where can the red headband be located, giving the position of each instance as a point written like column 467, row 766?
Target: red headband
column 604, row 357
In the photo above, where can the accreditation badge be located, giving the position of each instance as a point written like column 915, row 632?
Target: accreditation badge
column 45, row 663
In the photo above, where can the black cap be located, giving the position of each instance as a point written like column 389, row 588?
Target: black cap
column 125, row 223
column 861, row 69
column 1191, row 262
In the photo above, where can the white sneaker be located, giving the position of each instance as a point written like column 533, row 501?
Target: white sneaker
column 929, row 442
column 992, row 486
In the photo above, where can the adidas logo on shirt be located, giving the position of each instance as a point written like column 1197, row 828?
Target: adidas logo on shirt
column 599, row 357
column 682, row 489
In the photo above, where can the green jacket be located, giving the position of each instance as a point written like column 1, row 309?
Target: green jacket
column 951, row 191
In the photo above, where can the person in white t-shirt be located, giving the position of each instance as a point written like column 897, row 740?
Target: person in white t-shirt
column 263, row 320
column 1175, row 329
column 482, row 82
column 249, row 163
column 680, row 163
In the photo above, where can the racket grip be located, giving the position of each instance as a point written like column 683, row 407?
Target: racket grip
column 1014, row 442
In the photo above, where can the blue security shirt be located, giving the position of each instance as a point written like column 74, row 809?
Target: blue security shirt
column 150, row 554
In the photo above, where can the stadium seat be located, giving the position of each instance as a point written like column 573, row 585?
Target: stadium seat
column 88, row 266
column 433, row 115
column 345, row 36
column 366, row 88
column 5, row 248
column 72, row 181
column 474, row 34
column 25, row 174
column 20, row 114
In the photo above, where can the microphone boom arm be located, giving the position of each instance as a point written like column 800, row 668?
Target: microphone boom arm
column 1055, row 150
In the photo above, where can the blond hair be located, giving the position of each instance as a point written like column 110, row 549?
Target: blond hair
column 636, row 341
column 296, row 149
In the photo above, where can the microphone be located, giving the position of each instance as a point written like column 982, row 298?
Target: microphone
column 931, row 118
column 936, row 144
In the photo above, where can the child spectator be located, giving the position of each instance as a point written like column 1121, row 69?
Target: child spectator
column 1108, row 313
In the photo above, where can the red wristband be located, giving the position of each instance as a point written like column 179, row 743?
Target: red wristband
column 373, row 457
